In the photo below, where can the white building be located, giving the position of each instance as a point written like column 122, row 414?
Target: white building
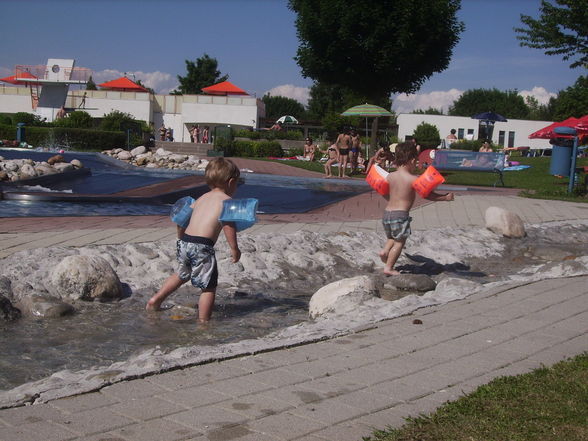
column 48, row 90
column 513, row 133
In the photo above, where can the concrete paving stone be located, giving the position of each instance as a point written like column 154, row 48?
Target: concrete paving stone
column 94, row 421
column 196, row 375
column 462, row 369
column 529, row 343
column 196, row 396
column 372, row 374
column 398, row 390
column 18, row 416
column 424, row 406
column 285, row 426
column 297, row 395
column 449, row 394
column 127, row 236
column 397, row 367
column 366, row 401
column 328, row 412
column 314, row 369
column 568, row 328
column 91, row 236
column 394, row 417
column 125, row 390
column 278, row 377
column 237, row 387
column 254, row 363
column 334, row 385
column 346, row 431
column 521, row 326
column 146, row 408
column 106, row 436
column 295, row 355
column 37, row 432
column 81, row 403
column 255, row 406
column 156, row 430
column 561, row 310
column 428, row 337
column 569, row 348
column 207, row 418
column 429, row 377
column 240, row 432
column 485, row 338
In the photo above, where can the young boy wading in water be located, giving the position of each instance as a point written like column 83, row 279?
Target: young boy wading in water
column 195, row 246
column 396, row 217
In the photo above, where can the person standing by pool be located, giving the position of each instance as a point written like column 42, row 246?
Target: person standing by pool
column 162, row 132
column 355, row 149
column 195, row 245
column 344, row 146
column 332, row 157
column 205, row 135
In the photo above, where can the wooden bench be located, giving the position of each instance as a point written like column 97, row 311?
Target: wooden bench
column 466, row 160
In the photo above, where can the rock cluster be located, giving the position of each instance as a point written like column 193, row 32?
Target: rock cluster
column 141, row 157
column 18, row 169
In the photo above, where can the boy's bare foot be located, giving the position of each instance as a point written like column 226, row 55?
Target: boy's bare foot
column 383, row 256
column 157, row 306
column 391, row 272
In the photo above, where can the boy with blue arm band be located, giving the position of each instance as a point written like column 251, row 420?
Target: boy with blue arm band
column 195, row 245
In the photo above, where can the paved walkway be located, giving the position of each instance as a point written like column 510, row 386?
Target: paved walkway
column 340, row 389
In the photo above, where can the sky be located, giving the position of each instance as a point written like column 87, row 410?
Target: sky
column 255, row 42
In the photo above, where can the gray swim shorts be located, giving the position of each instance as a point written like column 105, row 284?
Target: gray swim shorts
column 197, row 261
column 397, row 224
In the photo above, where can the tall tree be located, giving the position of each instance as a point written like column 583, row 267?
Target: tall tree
column 375, row 47
column 202, row 73
column 277, row 106
column 508, row 104
column 572, row 101
column 559, row 30
column 91, row 85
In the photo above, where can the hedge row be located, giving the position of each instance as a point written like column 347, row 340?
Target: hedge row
column 75, row 139
column 271, row 134
column 251, row 149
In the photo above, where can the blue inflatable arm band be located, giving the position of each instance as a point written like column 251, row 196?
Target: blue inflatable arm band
column 181, row 211
column 240, row 211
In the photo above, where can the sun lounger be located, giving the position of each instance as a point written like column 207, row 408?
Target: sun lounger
column 466, row 160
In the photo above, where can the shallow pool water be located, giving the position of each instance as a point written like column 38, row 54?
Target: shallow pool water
column 276, row 194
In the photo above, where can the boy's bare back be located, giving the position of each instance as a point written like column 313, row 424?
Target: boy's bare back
column 206, row 211
column 402, row 195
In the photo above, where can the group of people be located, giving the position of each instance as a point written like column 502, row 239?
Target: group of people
column 197, row 135
column 166, row 134
column 195, row 252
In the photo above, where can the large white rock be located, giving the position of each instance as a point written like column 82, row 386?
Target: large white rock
column 63, row 167
column 85, row 278
column 124, row 155
column 504, row 222
column 138, row 150
column 343, row 296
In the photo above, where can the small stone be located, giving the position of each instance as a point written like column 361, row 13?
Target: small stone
column 417, row 322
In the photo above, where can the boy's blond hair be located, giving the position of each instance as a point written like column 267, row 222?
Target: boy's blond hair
column 219, row 171
column 405, row 152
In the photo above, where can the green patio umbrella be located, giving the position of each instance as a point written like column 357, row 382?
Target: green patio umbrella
column 367, row 110
column 287, row 119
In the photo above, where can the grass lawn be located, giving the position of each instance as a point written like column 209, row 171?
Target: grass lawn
column 535, row 182
column 548, row 404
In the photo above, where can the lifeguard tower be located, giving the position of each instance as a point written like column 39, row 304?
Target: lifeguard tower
column 49, row 84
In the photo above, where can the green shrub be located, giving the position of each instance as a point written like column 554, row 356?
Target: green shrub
column 28, row 119
column 5, row 119
column 464, row 144
column 78, row 119
column 427, row 135
column 295, row 135
column 251, row 149
column 76, row 139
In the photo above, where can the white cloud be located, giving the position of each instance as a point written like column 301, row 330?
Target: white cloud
column 161, row 82
column 300, row 94
column 438, row 99
column 540, row 93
